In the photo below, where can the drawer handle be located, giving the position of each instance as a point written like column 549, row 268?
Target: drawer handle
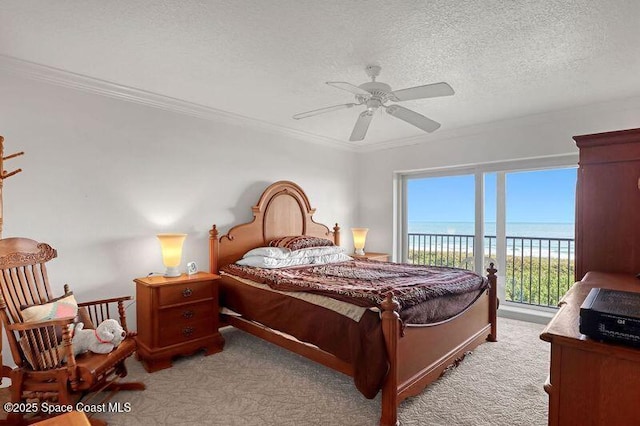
column 187, row 292
column 187, row 331
column 188, row 314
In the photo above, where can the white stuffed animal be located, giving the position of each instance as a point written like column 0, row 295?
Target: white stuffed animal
column 107, row 336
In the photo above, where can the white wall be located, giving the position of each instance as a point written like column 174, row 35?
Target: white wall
column 102, row 176
column 529, row 137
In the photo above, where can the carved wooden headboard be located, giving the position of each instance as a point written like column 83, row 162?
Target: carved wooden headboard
column 282, row 210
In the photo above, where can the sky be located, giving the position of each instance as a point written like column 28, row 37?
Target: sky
column 544, row 196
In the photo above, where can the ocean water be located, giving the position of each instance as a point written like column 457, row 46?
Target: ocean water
column 523, row 239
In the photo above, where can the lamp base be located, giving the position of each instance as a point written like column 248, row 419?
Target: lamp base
column 359, row 252
column 172, row 272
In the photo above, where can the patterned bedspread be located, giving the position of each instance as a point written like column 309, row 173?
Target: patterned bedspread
column 366, row 283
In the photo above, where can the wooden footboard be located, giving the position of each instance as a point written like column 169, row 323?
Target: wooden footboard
column 420, row 354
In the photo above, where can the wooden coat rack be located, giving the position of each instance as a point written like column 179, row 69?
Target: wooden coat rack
column 3, row 175
column 5, row 370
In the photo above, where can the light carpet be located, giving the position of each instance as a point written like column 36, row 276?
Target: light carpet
column 255, row 383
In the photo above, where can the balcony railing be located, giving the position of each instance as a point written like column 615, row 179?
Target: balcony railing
column 539, row 270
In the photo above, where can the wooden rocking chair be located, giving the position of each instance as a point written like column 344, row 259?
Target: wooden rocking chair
column 46, row 367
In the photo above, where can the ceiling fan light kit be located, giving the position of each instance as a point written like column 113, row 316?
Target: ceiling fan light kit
column 373, row 95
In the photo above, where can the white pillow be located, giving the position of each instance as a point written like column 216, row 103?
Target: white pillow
column 331, row 258
column 285, row 253
column 316, row 251
column 275, row 252
column 272, row 262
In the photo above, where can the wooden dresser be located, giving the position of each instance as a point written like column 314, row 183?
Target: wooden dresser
column 591, row 383
column 608, row 203
column 176, row 316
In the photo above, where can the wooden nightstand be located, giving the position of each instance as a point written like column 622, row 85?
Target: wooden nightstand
column 176, row 316
column 380, row 257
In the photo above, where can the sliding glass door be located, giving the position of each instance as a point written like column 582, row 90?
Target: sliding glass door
column 540, row 224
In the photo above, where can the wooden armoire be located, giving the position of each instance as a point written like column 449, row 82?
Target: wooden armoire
column 608, row 203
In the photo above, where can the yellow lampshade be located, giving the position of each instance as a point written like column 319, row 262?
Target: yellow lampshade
column 359, row 238
column 171, row 245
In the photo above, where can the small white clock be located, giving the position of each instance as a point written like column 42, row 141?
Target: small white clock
column 192, row 268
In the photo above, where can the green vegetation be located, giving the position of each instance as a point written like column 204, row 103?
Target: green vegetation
column 537, row 281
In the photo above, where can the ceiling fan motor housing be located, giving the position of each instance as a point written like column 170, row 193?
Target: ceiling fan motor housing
column 379, row 91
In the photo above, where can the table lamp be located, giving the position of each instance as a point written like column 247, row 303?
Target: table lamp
column 171, row 245
column 359, row 238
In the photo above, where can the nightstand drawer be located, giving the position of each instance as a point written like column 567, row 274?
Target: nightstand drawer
column 172, row 334
column 187, row 314
column 184, row 293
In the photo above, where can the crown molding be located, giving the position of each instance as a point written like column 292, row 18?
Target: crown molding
column 617, row 105
column 60, row 77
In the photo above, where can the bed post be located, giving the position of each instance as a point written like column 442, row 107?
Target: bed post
column 493, row 302
column 213, row 250
column 336, row 235
column 391, row 332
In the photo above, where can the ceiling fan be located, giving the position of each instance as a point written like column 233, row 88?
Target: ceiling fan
column 374, row 95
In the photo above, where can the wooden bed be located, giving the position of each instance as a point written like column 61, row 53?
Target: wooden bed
column 417, row 354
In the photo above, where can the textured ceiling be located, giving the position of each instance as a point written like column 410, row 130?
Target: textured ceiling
column 268, row 60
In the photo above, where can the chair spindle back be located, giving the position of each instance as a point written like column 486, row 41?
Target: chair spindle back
column 23, row 278
column 23, row 282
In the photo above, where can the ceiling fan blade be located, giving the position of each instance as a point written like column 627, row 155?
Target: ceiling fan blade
column 360, row 129
column 349, row 88
column 322, row 110
column 421, row 92
column 412, row 117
